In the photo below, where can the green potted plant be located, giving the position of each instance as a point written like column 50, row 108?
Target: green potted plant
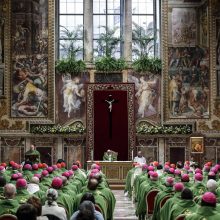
column 143, row 42
column 106, row 47
column 70, row 64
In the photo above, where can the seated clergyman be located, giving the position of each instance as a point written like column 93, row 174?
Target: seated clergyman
column 110, row 156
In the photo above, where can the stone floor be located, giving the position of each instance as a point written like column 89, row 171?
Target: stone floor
column 124, row 208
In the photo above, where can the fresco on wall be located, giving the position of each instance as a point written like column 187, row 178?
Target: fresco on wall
column 2, row 24
column 70, row 93
column 188, row 82
column 203, row 18
column 183, row 26
column 147, row 95
column 29, row 44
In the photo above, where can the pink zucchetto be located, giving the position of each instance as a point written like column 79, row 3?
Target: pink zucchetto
column 38, row 175
column 206, row 168
column 197, row 170
column 211, row 173
column 150, row 173
column 66, row 174
column 71, row 172
column 213, row 169
column 177, row 172
column 50, row 169
column 186, row 167
column 75, row 167
column 154, row 176
column 14, row 176
column 171, row 170
column 20, row 175
column 178, row 187
column 144, row 167
column 45, row 173
column 2, row 169
column 169, row 181
column 209, row 197
column 94, row 171
column 35, row 166
column 198, row 177
column 185, row 178
column 57, row 183
column 166, row 167
column 54, row 167
column 27, row 167
column 150, row 168
column 21, row 183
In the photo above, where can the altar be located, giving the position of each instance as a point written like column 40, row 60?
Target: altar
column 115, row 171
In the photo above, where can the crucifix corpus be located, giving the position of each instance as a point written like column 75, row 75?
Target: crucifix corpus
column 110, row 102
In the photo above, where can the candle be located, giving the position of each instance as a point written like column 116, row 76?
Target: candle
column 92, row 155
column 132, row 154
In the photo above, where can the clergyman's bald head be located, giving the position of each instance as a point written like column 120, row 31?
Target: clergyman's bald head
column 9, row 191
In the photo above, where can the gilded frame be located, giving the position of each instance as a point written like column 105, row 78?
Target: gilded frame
column 50, row 116
column 165, row 67
column 91, row 87
column 197, row 145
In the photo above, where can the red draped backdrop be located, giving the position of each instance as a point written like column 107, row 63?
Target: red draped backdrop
column 103, row 141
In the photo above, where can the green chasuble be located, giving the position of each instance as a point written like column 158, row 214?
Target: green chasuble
column 165, row 211
column 204, row 213
column 66, row 202
column 99, row 200
column 110, row 198
column 1, row 193
column 8, row 206
column 198, row 189
column 160, row 196
column 41, row 195
column 128, row 187
column 33, row 156
column 144, row 190
column 183, row 206
column 109, row 157
column 22, row 196
column 142, row 179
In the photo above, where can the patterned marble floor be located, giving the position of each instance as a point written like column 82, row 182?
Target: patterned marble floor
column 124, row 208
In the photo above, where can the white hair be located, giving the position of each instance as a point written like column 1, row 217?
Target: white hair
column 212, row 185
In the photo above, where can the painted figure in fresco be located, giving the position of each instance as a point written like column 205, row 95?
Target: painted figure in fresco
column 188, row 88
column 146, row 94
column 29, row 87
column 73, row 94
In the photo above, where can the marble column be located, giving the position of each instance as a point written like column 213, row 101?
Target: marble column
column 128, row 30
column 88, row 31
column 161, row 151
column 59, row 153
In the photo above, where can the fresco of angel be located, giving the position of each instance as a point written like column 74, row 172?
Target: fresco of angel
column 73, row 94
column 147, row 94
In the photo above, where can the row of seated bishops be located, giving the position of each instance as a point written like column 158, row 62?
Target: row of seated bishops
column 42, row 192
column 175, row 191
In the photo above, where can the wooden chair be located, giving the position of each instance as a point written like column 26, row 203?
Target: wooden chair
column 150, row 198
column 163, row 201
column 98, row 208
column 180, row 217
column 8, row 217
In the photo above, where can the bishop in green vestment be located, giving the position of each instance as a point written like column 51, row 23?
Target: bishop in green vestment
column 207, row 210
column 109, row 156
column 185, row 205
column 9, row 205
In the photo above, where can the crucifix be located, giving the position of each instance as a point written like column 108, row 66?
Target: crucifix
column 110, row 102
